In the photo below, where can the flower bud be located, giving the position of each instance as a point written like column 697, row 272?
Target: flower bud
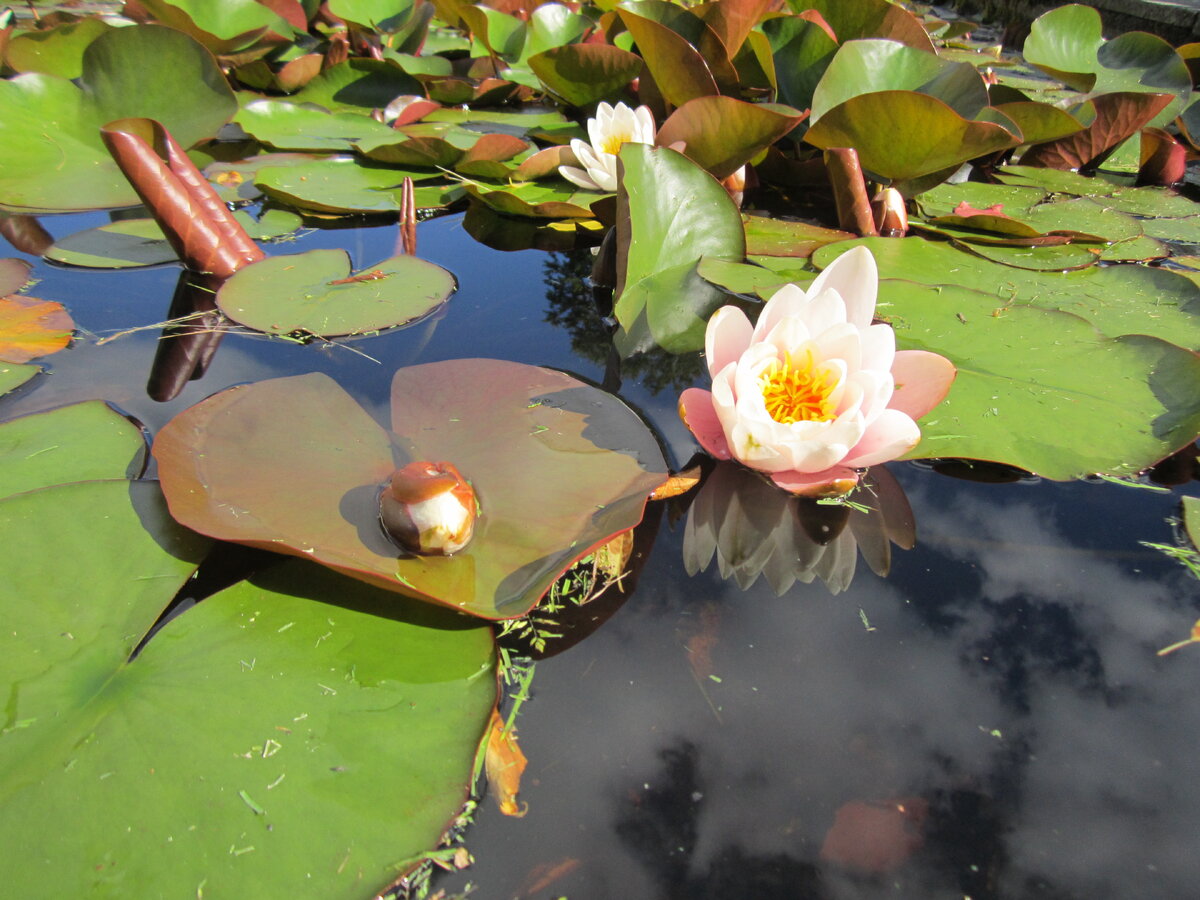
column 428, row 508
column 891, row 218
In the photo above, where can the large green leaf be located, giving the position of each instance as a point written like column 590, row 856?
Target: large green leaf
column 670, row 214
column 295, row 465
column 1063, row 43
column 54, row 51
column 224, row 27
column 903, row 135
column 870, row 66
column 380, row 15
column 802, row 52
column 314, row 293
column 1044, row 390
column 80, row 442
column 267, row 740
column 51, row 155
column 293, row 127
column 582, row 74
column 722, row 134
column 345, row 184
column 1117, row 300
column 359, row 85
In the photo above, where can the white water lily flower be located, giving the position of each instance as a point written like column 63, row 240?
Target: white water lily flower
column 611, row 127
column 814, row 391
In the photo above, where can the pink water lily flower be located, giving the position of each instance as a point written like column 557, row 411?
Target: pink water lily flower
column 814, row 391
column 612, row 127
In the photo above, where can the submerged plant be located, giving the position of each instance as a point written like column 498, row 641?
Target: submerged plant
column 814, row 391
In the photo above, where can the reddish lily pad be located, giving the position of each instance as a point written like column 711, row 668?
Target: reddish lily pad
column 721, row 134
column 295, row 465
column 314, row 293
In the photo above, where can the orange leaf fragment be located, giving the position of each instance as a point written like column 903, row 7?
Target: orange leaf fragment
column 30, row 327
column 965, row 210
column 677, row 484
column 505, row 763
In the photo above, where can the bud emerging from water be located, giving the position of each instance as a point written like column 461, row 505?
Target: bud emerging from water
column 891, row 218
column 428, row 508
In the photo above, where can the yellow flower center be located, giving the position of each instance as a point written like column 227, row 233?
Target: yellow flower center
column 612, row 143
column 796, row 389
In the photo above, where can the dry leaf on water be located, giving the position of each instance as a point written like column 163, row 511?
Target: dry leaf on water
column 30, row 327
column 504, row 763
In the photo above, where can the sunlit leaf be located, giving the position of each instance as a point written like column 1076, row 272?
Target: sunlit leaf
column 721, row 134
column 292, row 127
column 145, row 70
column 314, row 293
column 268, row 739
column 224, row 27
column 12, row 376
column 582, row 74
column 54, row 51
column 295, row 465
column 670, row 214
column 80, row 442
column 345, row 184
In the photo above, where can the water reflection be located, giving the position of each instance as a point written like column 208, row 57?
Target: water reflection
column 1009, row 698
column 754, row 528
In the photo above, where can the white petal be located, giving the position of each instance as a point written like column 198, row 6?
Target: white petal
column 726, row 338
column 578, row 177
column 855, row 276
column 823, row 311
column 789, row 300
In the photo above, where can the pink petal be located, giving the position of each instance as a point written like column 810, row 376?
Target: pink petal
column 833, row 482
column 696, row 410
column 922, row 381
column 855, row 277
column 889, row 436
column 726, row 337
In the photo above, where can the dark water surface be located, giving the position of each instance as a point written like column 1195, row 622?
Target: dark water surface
column 990, row 720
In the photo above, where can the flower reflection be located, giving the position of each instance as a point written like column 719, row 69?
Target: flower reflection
column 612, row 127
column 753, row 528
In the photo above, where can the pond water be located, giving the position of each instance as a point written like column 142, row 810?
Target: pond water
column 988, row 720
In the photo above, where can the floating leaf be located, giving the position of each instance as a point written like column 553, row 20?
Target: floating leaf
column 30, row 328
column 314, row 293
column 343, row 184
column 349, row 747
column 80, row 442
column 225, row 27
column 12, row 376
column 556, row 200
column 504, row 763
column 54, row 51
column 781, row 237
column 358, row 85
column 295, row 465
column 293, row 127
column 670, row 214
column 1041, row 389
column 123, row 244
column 1152, row 300
column 145, row 70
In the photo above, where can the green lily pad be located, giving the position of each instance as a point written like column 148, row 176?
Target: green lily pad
column 313, row 293
column 741, row 278
column 126, row 243
column 380, row 15
column 1117, row 300
column 225, row 27
column 1015, row 200
column 1191, row 519
column 548, row 200
column 290, row 126
column 721, row 134
column 558, row 468
column 349, row 749
column 51, row 156
column 55, row 51
column 670, row 213
column 801, row 52
column 13, row 375
column 1063, row 44
column 873, row 66
column 346, row 185
column 358, row 85
column 582, row 74
column 1043, row 390
column 81, row 442
column 903, row 135
column 781, row 237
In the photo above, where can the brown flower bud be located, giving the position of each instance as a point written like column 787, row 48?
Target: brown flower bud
column 891, row 218
column 428, row 508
